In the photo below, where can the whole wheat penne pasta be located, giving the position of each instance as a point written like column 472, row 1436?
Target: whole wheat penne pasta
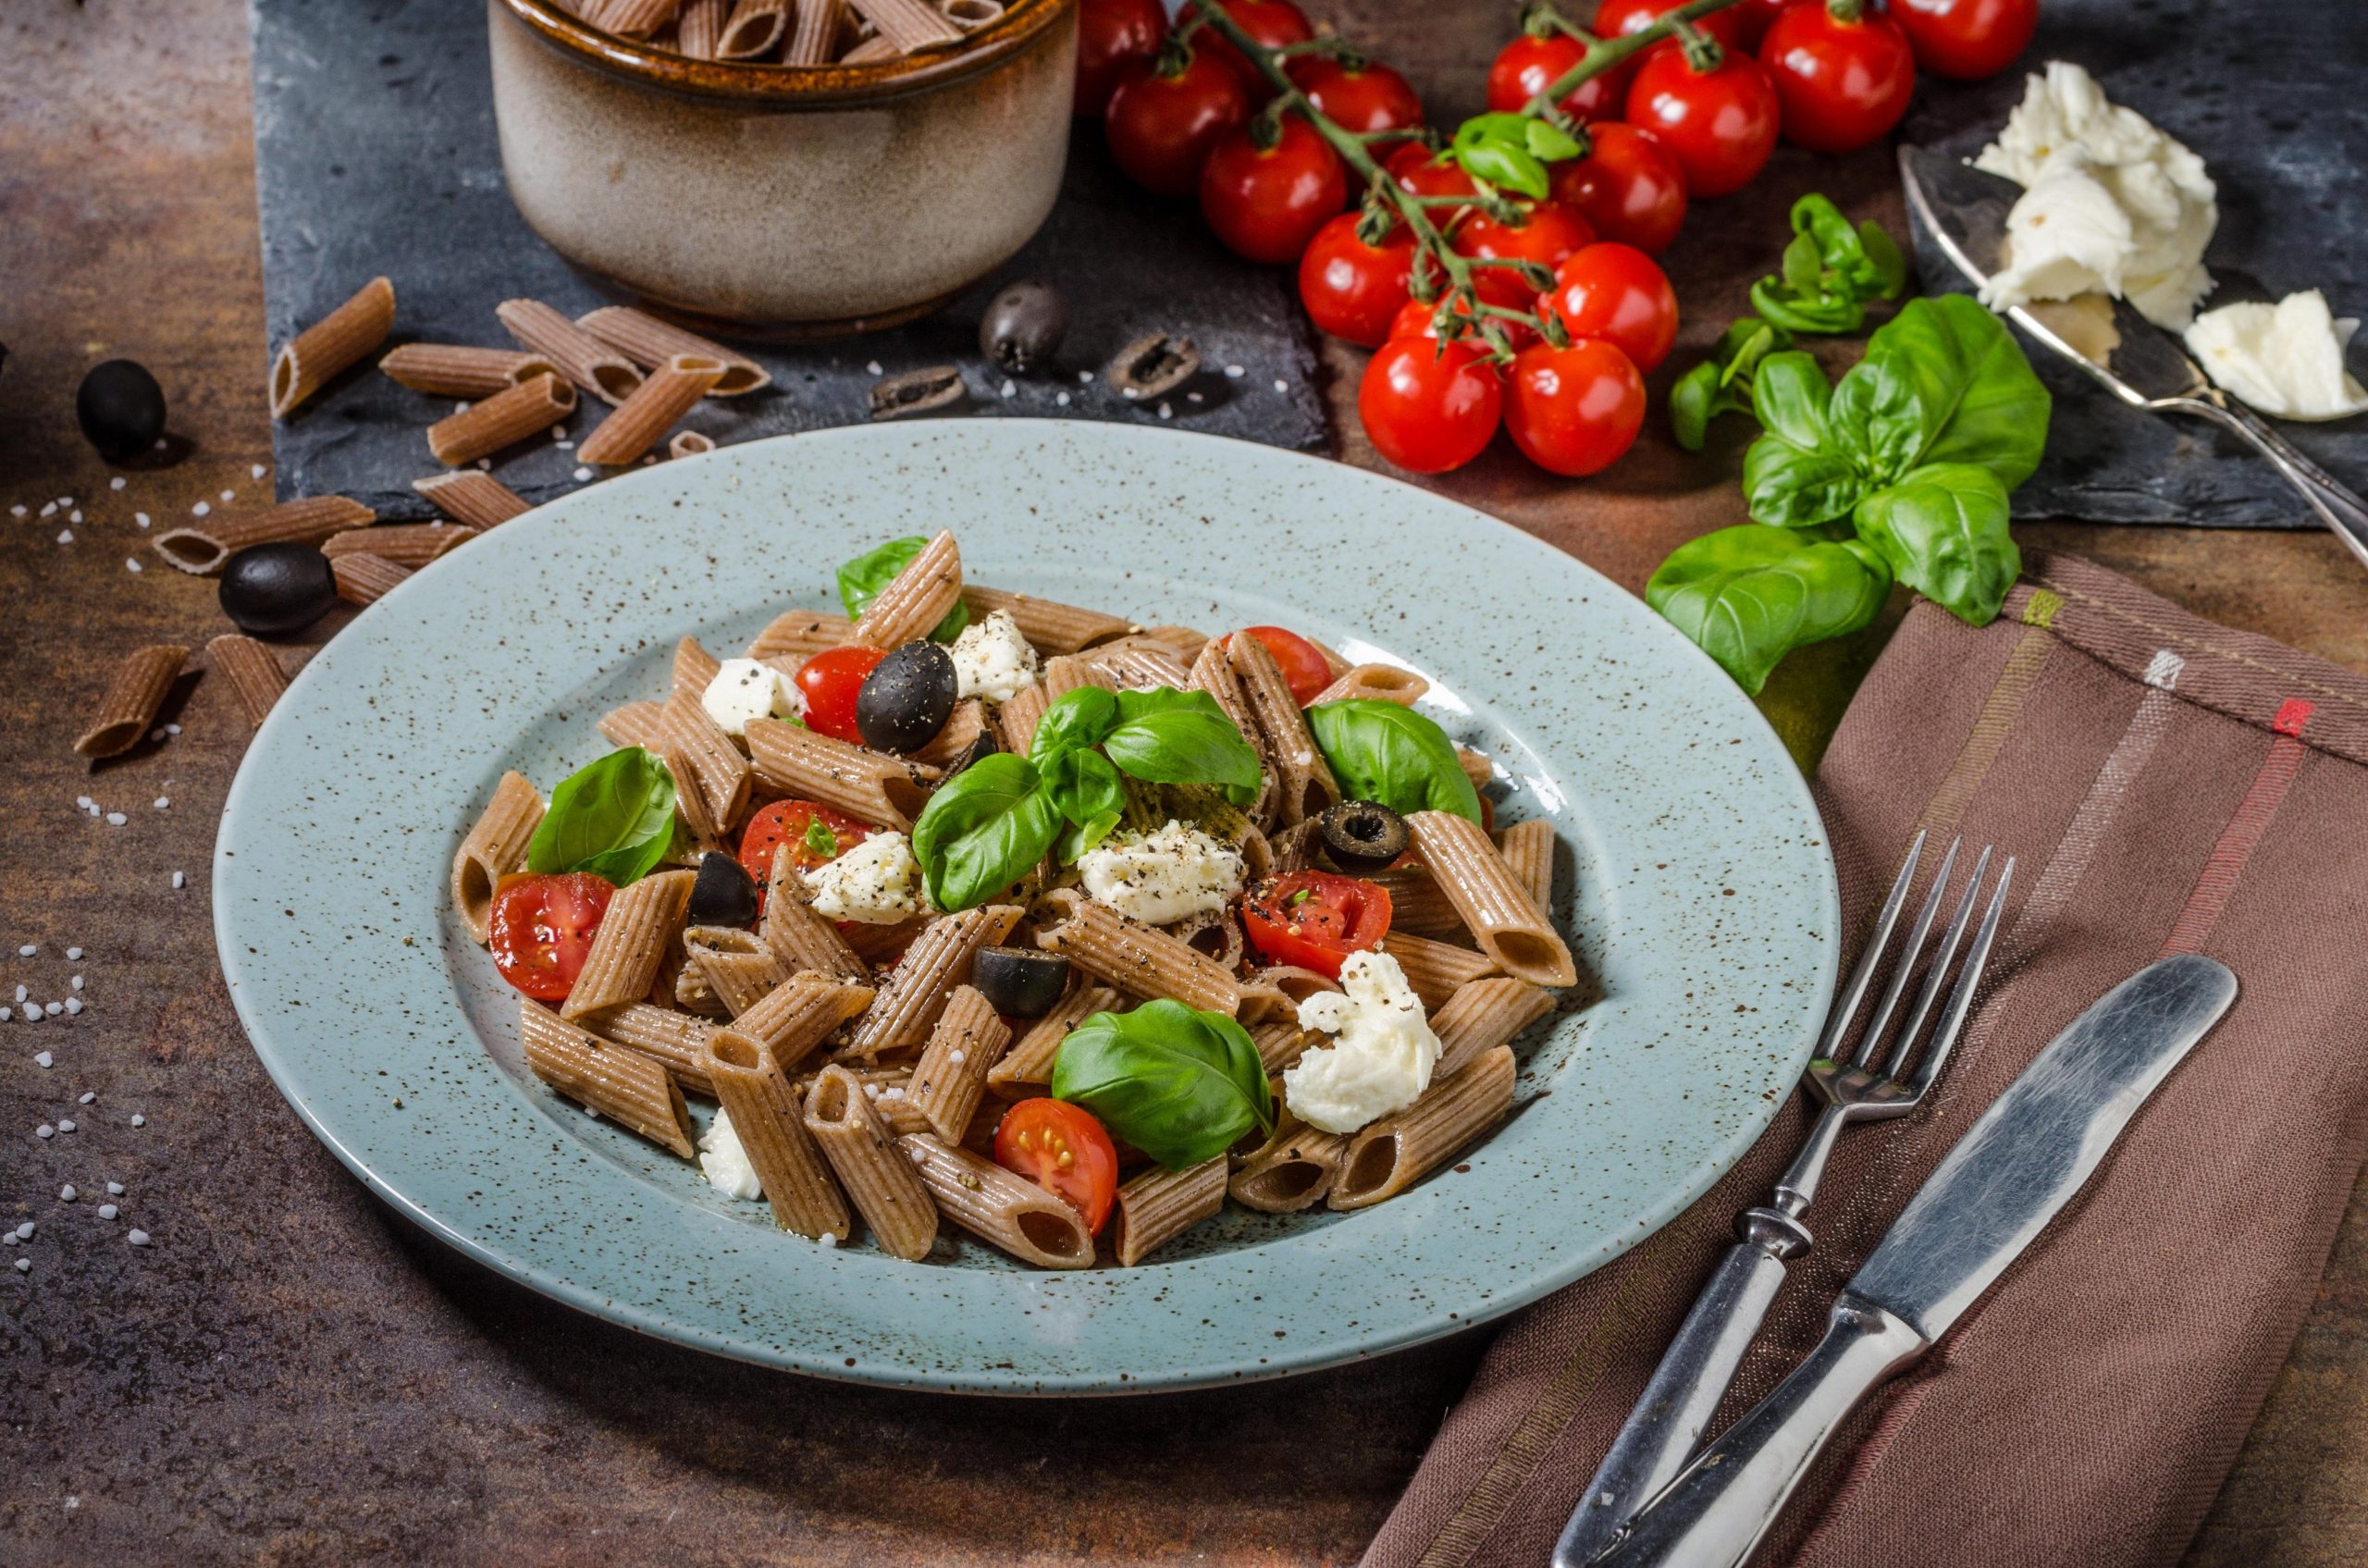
column 909, row 24
column 1378, row 682
column 1305, row 787
column 1294, row 982
column 869, row 50
column 694, row 668
column 985, row 1122
column 676, row 1039
column 1528, row 848
column 798, row 1014
column 1027, row 1068
column 1065, row 673
column 405, row 543
column 1292, row 1172
column 772, row 1127
column 1000, row 1208
column 953, row 743
column 724, row 781
column 365, row 579
column 815, row 39
column 1509, row 926
column 877, row 1176
column 972, row 15
column 688, row 443
column 1139, row 959
column 1213, row 934
column 951, row 1076
column 883, row 946
column 1017, row 715
column 134, row 694
column 1435, row 968
column 479, row 500
column 754, row 30
column 1282, row 1043
column 1262, row 1001
column 900, row 1111
column 1292, row 848
column 740, row 970
column 1483, row 1015
column 873, row 1080
column 582, row 358
column 1140, row 667
column 634, row 1091
column 1212, row 673
column 802, row 939
column 1160, row 1205
column 914, row 994
column 636, row 723
column 644, row 920
column 501, row 420
column 1417, row 903
column 330, row 344
column 253, row 671
column 1398, row 1151
column 637, row 19
column 649, row 342
column 916, row 599
column 1050, row 627
column 201, row 548
column 494, row 847
column 668, row 393
column 887, row 792
column 798, row 636
column 1476, row 767
column 694, row 992
column 450, row 370
column 699, row 28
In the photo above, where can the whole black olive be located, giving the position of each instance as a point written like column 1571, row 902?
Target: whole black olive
column 121, row 408
column 277, row 587
column 906, row 698
column 1023, row 327
column 1362, row 837
column 724, row 893
column 1019, row 982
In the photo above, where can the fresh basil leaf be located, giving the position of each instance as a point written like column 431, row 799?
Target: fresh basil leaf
column 1180, row 1085
column 1550, row 142
column 1749, row 595
column 1809, row 310
column 1794, row 476
column 1944, row 381
column 1722, row 384
column 1393, row 756
column 1087, row 791
column 1943, row 530
column 862, row 579
column 1883, row 261
column 984, row 829
column 1830, row 271
column 1079, row 718
column 1513, row 167
column 1169, row 736
column 820, row 840
column 613, row 818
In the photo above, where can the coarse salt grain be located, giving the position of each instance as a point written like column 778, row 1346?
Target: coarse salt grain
column 65, row 536
column 954, row 1058
column 163, row 801
column 86, row 1096
column 75, row 515
column 50, row 510
column 24, row 1265
column 54, row 1008
column 117, row 818
column 1194, row 397
column 1235, row 372
column 1084, row 376
column 1129, row 394
column 1062, row 398
column 200, row 509
column 76, row 982
column 257, row 471
column 66, row 1193
column 132, row 565
column 43, row 1059
column 73, row 1006
column 138, row 1238
column 65, row 1124
column 179, row 881
column 73, row 954
column 27, row 951
column 138, row 1121
column 227, row 494
column 172, row 729
column 873, row 367
column 1166, row 412
column 15, row 512
column 114, row 1189
column 115, row 483
column 583, row 473
column 44, row 1131
column 1009, row 387
column 1281, row 384
column 108, row 1211
column 5, row 1015
column 141, row 518
column 459, row 408
column 567, row 446
column 24, row 1231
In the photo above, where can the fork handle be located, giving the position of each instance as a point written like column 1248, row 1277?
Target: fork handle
column 2330, row 500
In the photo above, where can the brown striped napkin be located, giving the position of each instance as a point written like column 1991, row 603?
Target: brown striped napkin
column 2168, row 786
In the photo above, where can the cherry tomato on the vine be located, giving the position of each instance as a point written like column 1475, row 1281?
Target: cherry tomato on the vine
column 1574, row 410
column 1315, row 918
column 1415, row 318
column 1628, row 188
column 1352, row 290
column 1842, row 71
column 1161, row 127
column 1275, row 23
column 1549, row 232
column 1422, row 172
column 1967, row 40
column 1752, row 18
column 1361, row 100
column 1719, row 123
column 1616, row 293
column 542, row 927
column 1528, row 66
column 829, row 682
column 1429, row 406
column 1267, row 202
column 1305, row 667
column 1618, row 18
column 1064, row 1150
column 1112, row 35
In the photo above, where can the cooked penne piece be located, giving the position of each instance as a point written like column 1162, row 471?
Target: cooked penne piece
column 1283, row 1042
column 1049, row 627
column 322, row 350
column 1139, row 959
column 1213, row 933
column 1497, row 910
column 1184, row 642
column 1292, row 848
column 1418, row 904
column 1295, row 983
column 448, row 370
column 877, row 1176
column 772, row 1127
column 1160, row 1205
column 644, row 922
column 1140, row 667
column 695, row 667
column 1304, row 783
column 253, row 671
column 1380, row 682
column 1483, row 1015
column 479, row 500
column 649, row 342
column 698, row 31
column 1212, row 673
column 887, row 792
column 916, row 599
column 724, row 781
column 1064, row 674
column 1395, row 1152
column 1026, row 1069
column 636, row 724
column 953, row 744
column 365, row 579
column 582, row 358
column 405, row 543
column 754, row 30
column 798, row 1014
column 798, row 636
column 1293, row 1172
column 634, row 1091
column 1528, row 849
column 201, row 548
column 740, row 970
column 494, row 847
column 1000, row 1208
column 136, row 691
column 909, row 25
column 668, row 393
column 952, row 1074
column 914, row 994
column 1477, row 768
column 504, row 419
column 1018, row 715
column 799, row 937
column 883, row 946
column 1435, row 968
column 694, row 992
column 676, row 1039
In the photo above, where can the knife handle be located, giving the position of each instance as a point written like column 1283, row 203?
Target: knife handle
column 1720, row 1506
column 2333, row 504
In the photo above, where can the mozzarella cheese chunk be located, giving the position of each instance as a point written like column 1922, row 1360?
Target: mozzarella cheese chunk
column 875, row 884
column 1164, row 875
column 2284, row 359
column 725, row 1164
column 991, row 659
column 2109, row 204
column 1382, row 1051
column 744, row 689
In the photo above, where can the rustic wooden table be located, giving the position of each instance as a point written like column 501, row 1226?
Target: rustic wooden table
column 290, row 1373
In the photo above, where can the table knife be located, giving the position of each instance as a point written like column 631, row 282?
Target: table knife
column 1992, row 1194
column 1963, row 210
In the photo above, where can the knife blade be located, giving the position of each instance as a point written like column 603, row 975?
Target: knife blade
column 1988, row 1200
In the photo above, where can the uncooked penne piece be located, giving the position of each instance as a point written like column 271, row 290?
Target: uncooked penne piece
column 1139, row 959
column 914, row 994
column 689, row 443
column 1398, row 1151
column 582, row 358
column 814, row 41
column 1305, row 786
column 644, row 920
column 1066, row 672
column 1018, row 715
column 953, row 743
column 501, row 420
column 1378, row 682
column 739, row 969
column 134, row 694
column 1140, row 667
column 694, row 668
column 972, row 15
column 201, row 548
column 668, row 393
column 909, row 25
column 1160, row 1205
column 916, row 599
column 967, row 1039
column 636, row 723
column 798, row 1014
column 494, row 847
column 634, row 1091
column 1528, row 848
column 637, row 19
column 1508, row 925
column 405, row 543
column 798, row 636
column 887, row 792
column 870, row 50
column 1000, row 1208
column 725, row 782
column 877, row 1176
column 1026, row 1069
column 676, row 1039
column 754, row 30
column 1483, row 1015
column 339, row 339
column 1435, row 969
column 253, row 671
column 1417, row 903
column 1049, row 627
column 365, row 579
column 649, row 342
column 479, row 500
column 698, row 29
column 450, row 370
column 799, row 937
column 772, row 1127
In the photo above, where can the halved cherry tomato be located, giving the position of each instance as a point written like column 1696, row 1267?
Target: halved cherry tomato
column 1360, row 99
column 816, row 834
column 1615, row 293
column 1275, row 23
column 1574, row 410
column 1352, row 290
column 1418, row 318
column 1423, row 172
column 829, row 682
column 1161, row 127
column 1843, row 73
column 1529, row 66
column 1967, row 40
column 1315, row 918
column 1720, row 123
column 1549, row 232
column 542, row 927
column 1301, row 662
column 1062, row 1149
column 1112, row 35
column 1628, row 188
column 1618, row 18
column 1267, row 202
column 1429, row 406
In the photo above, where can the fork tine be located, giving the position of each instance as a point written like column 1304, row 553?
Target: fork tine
column 1880, row 1023
column 1846, row 1004
column 1945, row 1039
column 1939, row 974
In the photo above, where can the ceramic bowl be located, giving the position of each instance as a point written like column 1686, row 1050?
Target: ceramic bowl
column 814, row 200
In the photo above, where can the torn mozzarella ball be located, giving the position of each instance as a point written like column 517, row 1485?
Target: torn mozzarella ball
column 1164, row 875
column 2285, row 359
column 1382, row 1052
column 991, row 659
column 877, row 883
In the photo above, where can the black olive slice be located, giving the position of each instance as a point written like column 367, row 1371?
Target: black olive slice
column 918, row 391
column 984, row 745
column 1362, row 837
column 724, row 893
column 1023, row 327
column 277, row 588
column 906, row 698
column 1019, row 982
column 1153, row 365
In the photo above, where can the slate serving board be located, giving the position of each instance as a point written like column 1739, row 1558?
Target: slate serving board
column 2269, row 97
column 374, row 153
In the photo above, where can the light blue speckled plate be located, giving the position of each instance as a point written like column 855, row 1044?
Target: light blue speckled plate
column 1695, row 885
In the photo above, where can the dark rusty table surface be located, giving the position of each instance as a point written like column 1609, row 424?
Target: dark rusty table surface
column 289, row 1373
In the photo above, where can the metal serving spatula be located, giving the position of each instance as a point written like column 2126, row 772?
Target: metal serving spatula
column 1965, row 210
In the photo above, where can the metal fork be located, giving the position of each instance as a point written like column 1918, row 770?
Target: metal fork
column 1669, row 1422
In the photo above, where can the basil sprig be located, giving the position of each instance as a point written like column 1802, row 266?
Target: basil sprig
column 615, row 818
column 1722, row 384
column 1751, row 594
column 1831, row 271
column 1393, row 756
column 1180, row 1085
column 1512, row 151
column 862, row 579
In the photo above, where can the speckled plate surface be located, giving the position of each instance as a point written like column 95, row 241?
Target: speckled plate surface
column 1693, row 881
